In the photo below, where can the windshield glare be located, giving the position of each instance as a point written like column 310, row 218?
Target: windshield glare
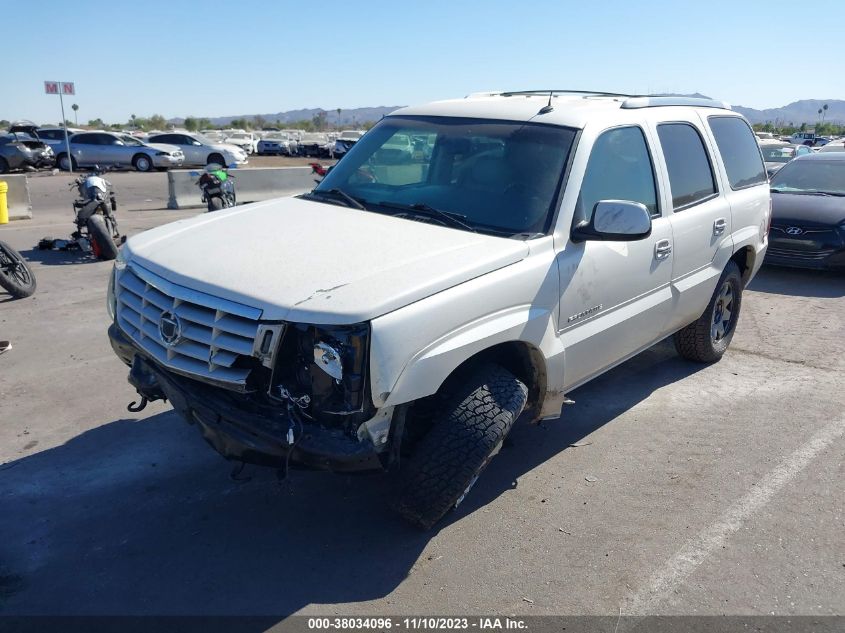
column 811, row 175
column 501, row 176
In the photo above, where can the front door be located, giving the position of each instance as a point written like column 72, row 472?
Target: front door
column 614, row 295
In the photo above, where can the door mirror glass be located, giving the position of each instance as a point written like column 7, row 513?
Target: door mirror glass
column 615, row 220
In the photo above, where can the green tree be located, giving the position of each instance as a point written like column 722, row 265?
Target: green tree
column 203, row 124
column 259, row 122
column 191, row 124
column 338, row 118
column 4, row 123
column 75, row 109
column 158, row 122
column 96, row 123
column 319, row 120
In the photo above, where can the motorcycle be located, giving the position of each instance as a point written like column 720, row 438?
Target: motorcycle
column 15, row 274
column 96, row 226
column 218, row 187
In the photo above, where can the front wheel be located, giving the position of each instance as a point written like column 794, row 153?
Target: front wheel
column 15, row 274
column 142, row 162
column 707, row 339
column 215, row 203
column 470, row 430
column 102, row 242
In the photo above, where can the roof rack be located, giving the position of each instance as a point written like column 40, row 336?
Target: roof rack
column 589, row 93
column 646, row 101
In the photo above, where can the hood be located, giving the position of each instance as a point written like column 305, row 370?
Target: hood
column 162, row 147
column 226, row 147
column 310, row 262
column 820, row 210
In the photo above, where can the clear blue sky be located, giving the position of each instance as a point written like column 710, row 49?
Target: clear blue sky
column 209, row 58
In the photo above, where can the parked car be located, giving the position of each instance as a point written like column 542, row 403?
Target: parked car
column 55, row 136
column 345, row 141
column 833, row 146
column 808, row 213
column 777, row 154
column 111, row 148
column 201, row 151
column 808, row 138
column 512, row 267
column 314, row 144
column 245, row 140
column 22, row 151
column 276, row 143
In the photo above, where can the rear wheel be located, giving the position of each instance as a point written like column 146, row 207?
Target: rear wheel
column 65, row 162
column 15, row 274
column 142, row 162
column 468, row 433
column 216, row 158
column 102, row 242
column 215, row 203
column 707, row 339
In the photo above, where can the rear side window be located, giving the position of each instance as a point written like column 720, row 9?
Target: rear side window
column 619, row 169
column 739, row 151
column 690, row 174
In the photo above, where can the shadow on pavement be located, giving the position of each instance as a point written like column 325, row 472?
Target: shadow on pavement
column 799, row 282
column 141, row 517
column 58, row 258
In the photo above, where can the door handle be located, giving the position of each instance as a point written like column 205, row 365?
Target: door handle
column 719, row 226
column 662, row 249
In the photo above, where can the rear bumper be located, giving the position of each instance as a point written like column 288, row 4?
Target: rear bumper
column 248, row 436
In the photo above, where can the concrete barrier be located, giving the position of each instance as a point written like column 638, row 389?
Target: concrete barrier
column 251, row 185
column 20, row 205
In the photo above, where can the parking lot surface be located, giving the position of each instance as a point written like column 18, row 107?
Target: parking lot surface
column 668, row 487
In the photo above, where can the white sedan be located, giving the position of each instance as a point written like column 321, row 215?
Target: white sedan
column 247, row 141
column 200, row 150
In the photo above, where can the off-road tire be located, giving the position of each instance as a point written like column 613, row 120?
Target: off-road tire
column 215, row 203
column 16, row 276
column 140, row 160
column 102, row 242
column 696, row 341
column 468, row 432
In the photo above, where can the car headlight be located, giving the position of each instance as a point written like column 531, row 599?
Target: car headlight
column 329, row 360
column 162, row 153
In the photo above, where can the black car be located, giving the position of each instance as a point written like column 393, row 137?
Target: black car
column 808, row 213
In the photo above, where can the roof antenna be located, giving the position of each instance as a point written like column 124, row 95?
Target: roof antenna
column 548, row 107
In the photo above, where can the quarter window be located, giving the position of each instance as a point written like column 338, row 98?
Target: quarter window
column 619, row 168
column 690, row 173
column 739, row 151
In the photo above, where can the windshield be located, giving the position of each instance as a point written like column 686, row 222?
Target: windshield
column 498, row 177
column 778, row 153
column 811, row 176
column 131, row 141
column 239, row 136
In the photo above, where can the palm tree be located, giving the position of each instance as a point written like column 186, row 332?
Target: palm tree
column 338, row 118
column 132, row 116
column 75, row 108
column 824, row 114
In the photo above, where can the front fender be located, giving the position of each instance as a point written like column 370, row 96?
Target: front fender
column 414, row 349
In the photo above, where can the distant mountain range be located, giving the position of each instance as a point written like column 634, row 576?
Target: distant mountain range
column 352, row 117
column 798, row 112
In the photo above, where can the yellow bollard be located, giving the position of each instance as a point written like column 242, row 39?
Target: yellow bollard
column 4, row 207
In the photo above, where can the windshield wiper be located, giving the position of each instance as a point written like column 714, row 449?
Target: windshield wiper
column 355, row 203
column 420, row 208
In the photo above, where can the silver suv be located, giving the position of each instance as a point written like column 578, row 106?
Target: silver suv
column 414, row 305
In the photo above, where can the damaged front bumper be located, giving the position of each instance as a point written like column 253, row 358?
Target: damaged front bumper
column 249, row 433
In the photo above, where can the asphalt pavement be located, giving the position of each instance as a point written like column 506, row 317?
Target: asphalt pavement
column 667, row 488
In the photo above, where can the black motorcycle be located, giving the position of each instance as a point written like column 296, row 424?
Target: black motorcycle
column 96, row 225
column 218, row 187
column 15, row 274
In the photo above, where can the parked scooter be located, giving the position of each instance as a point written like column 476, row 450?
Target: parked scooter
column 95, row 221
column 218, row 187
column 16, row 276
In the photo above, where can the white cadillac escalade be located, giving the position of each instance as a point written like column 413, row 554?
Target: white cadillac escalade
column 406, row 312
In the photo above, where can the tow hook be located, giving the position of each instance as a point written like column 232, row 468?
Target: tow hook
column 139, row 406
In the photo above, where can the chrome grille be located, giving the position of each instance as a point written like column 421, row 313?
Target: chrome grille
column 214, row 332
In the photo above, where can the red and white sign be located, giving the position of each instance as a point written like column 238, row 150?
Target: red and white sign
column 51, row 87
column 56, row 87
column 67, row 88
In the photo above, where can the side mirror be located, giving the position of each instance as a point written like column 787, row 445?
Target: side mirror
column 615, row 221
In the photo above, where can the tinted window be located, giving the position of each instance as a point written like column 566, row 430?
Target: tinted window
column 85, row 139
column 811, row 176
column 165, row 138
column 690, row 174
column 739, row 151
column 619, row 169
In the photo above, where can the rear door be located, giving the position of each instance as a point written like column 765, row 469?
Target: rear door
column 614, row 295
column 700, row 216
column 85, row 148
